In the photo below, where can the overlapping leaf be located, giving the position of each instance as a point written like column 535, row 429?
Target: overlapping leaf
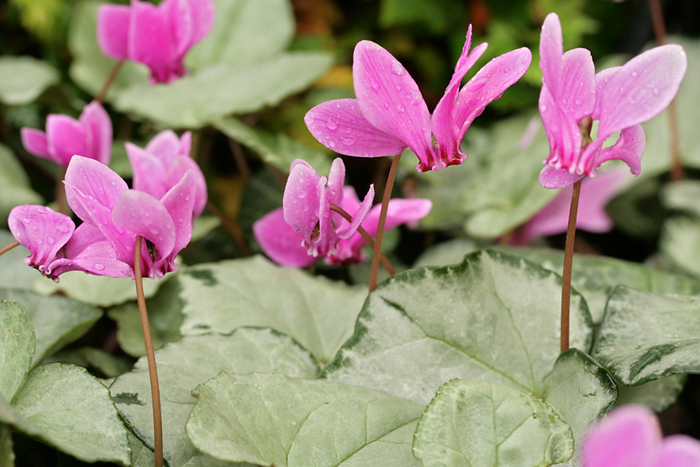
column 23, row 79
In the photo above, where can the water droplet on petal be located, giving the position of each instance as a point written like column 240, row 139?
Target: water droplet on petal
column 62, row 228
column 655, row 91
column 635, row 74
column 155, row 231
column 331, row 144
column 374, row 86
column 414, row 97
column 400, row 108
column 354, row 120
column 187, row 198
column 99, row 266
column 331, row 124
column 348, row 130
column 543, row 108
column 50, row 240
column 39, row 241
column 337, row 105
column 348, row 141
column 180, row 220
column 398, row 88
column 577, row 102
column 397, row 69
column 386, row 105
column 506, row 70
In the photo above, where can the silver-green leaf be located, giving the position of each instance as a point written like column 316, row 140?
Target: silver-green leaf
column 23, row 79
column 17, row 344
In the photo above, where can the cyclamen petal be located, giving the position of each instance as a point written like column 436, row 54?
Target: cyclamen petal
column 280, row 241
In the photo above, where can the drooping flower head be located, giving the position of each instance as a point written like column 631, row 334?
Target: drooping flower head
column 157, row 36
column 630, row 436
column 389, row 113
column 283, row 244
column 161, row 165
column 619, row 98
column 90, row 136
column 56, row 246
column 101, row 198
column 307, row 206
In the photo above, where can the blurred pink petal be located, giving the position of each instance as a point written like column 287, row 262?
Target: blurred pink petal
column 66, row 137
column 113, row 30
column 280, row 241
column 34, row 141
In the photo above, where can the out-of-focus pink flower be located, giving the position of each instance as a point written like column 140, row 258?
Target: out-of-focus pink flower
column 117, row 214
column 619, row 98
column 157, row 36
column 307, row 206
column 630, row 436
column 162, row 164
column 90, row 136
column 389, row 113
column 283, row 244
column 554, row 218
column 56, row 246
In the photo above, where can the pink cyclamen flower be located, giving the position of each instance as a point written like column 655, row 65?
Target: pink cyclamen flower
column 117, row 214
column 90, row 136
column 284, row 246
column 307, row 206
column 389, row 113
column 620, row 98
column 161, row 165
column 554, row 218
column 157, row 36
column 56, row 246
column 631, row 436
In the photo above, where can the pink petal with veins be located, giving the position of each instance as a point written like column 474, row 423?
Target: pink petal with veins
column 178, row 169
column 98, row 131
column 149, row 171
column 113, row 30
column 302, row 198
column 151, row 41
column 557, row 178
column 166, row 146
column 66, row 138
column 179, row 202
column 628, row 148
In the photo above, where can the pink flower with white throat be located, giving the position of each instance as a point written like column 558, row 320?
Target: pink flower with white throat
column 389, row 114
column 157, row 36
column 620, row 98
column 89, row 136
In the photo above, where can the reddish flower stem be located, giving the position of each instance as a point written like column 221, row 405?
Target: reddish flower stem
column 677, row 173
column 110, row 79
column 7, row 248
column 233, row 229
column 385, row 261
column 376, row 255
column 150, row 355
column 568, row 261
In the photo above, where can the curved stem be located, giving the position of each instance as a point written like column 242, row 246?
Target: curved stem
column 150, row 355
column 110, row 79
column 374, row 271
column 7, row 248
column 568, row 261
column 385, row 261
column 233, row 229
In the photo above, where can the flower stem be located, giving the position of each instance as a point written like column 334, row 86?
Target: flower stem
column 60, row 195
column 150, row 355
column 110, row 79
column 7, row 248
column 677, row 173
column 385, row 261
column 568, row 260
column 233, row 229
column 374, row 271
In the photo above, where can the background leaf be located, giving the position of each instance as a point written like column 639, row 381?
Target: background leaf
column 14, row 273
column 14, row 185
column 16, row 348
column 23, row 79
column 658, row 394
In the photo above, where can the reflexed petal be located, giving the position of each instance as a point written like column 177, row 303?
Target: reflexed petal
column 551, row 54
column 679, row 451
column 336, row 178
column 641, row 88
column 280, row 241
column 142, row 214
column 34, row 141
column 390, row 99
column 578, row 84
column 628, row 436
column 66, row 138
column 113, row 30
column 165, row 146
column 179, row 168
column 399, row 211
column 179, row 202
column 629, row 149
column 85, row 235
column 359, row 216
column 42, row 231
column 557, row 178
column 149, row 171
column 98, row 130
column 601, row 80
column 302, row 198
column 99, row 259
column 151, row 41
column 340, row 126
column 203, row 18
column 563, row 133
column 487, row 85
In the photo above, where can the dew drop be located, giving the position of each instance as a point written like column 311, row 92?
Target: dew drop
column 506, row 70
column 27, row 220
column 348, row 141
column 397, row 69
column 374, row 86
column 398, row 88
column 331, row 124
column 187, row 198
column 62, row 228
column 577, row 102
column 337, row 105
column 348, row 130
column 99, row 266
column 414, row 97
column 50, row 240
column 155, row 231
column 354, row 120
column 477, row 86
column 294, row 423
column 655, row 91
column 331, row 144
column 386, row 105
column 400, row 108
column 635, row 74
column 39, row 241
column 543, row 108
column 180, row 220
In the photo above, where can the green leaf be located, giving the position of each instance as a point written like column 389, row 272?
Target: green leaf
column 23, row 79
column 595, row 277
column 645, row 336
column 109, row 365
column 96, row 290
column 90, row 67
column 680, row 241
column 316, row 312
column 164, row 316
column 658, row 395
column 449, row 252
column 141, row 456
column 14, row 185
column 216, row 91
column 7, row 455
column 16, row 348
column 581, row 391
column 478, row 424
column 194, row 360
column 67, row 408
column 245, row 31
column 494, row 317
column 268, row 419
column 58, row 321
column 14, row 273
column 683, row 196
column 278, row 149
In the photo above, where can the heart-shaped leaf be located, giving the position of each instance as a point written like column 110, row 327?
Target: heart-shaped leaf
column 23, row 79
